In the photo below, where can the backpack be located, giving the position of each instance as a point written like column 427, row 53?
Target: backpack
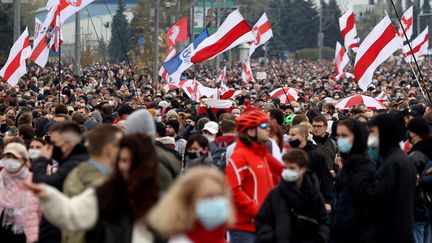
column 218, row 154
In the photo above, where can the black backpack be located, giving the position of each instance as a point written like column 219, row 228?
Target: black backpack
column 218, row 154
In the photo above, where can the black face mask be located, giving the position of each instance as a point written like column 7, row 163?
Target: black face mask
column 294, row 143
column 57, row 154
column 3, row 127
column 192, row 155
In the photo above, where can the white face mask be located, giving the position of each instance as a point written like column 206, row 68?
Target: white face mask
column 11, row 165
column 34, row 154
column 290, row 175
column 296, row 109
column 373, row 141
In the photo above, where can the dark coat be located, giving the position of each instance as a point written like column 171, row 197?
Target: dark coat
column 277, row 221
column 318, row 164
column 349, row 221
column 47, row 232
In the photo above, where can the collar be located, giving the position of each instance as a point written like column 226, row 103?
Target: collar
column 101, row 167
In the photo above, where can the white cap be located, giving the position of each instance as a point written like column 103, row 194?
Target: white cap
column 212, row 127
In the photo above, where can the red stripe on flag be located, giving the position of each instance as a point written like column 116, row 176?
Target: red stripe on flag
column 38, row 50
column 418, row 47
column 231, row 36
column 349, row 25
column 13, row 66
column 339, row 59
column 372, row 53
column 264, row 28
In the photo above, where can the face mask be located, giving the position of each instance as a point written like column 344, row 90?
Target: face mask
column 296, row 109
column 373, row 153
column 294, row 143
column 213, row 212
column 336, row 97
column 57, row 153
column 12, row 165
column 192, row 155
column 34, row 154
column 290, row 175
column 344, row 145
column 210, row 138
column 111, row 103
column 373, row 141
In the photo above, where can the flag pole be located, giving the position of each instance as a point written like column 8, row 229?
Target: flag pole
column 59, row 55
column 415, row 59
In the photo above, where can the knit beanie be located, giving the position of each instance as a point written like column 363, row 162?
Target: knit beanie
column 419, row 126
column 174, row 124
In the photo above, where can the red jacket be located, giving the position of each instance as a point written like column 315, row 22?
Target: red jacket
column 251, row 173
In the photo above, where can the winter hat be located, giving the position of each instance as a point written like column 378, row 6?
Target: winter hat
column 18, row 150
column 174, row 124
column 417, row 110
column 140, row 121
column 171, row 113
column 419, row 126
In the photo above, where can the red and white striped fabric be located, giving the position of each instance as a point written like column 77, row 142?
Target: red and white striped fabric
column 230, row 94
column 233, row 32
column 68, row 7
column 407, row 23
column 371, row 103
column 379, row 45
column 222, row 80
column 344, row 75
column 247, row 72
column 48, row 37
column 162, row 72
column 419, row 47
column 188, row 83
column 349, row 31
column 279, row 93
column 15, row 66
column 382, row 97
column 168, row 87
column 38, row 26
column 262, row 31
column 341, row 58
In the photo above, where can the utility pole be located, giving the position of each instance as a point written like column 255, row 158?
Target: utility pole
column 320, row 33
column 156, row 43
column 204, row 13
column 178, row 10
column 77, row 43
column 17, row 20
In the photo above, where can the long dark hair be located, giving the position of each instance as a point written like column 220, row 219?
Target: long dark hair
column 141, row 191
column 360, row 135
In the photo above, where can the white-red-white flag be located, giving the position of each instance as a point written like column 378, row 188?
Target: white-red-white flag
column 15, row 66
column 341, row 58
column 38, row 26
column 177, row 33
column 67, row 7
column 407, row 23
column 48, row 37
column 349, row 31
column 419, row 47
column 247, row 72
column 379, row 45
column 262, row 31
column 222, row 80
column 162, row 72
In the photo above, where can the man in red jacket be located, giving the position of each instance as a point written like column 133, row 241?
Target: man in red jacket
column 251, row 173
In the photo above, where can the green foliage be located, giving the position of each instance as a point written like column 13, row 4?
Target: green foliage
column 312, row 53
column 331, row 14
column 116, row 51
column 6, row 30
column 425, row 20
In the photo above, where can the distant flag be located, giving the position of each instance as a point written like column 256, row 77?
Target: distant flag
column 247, row 72
column 379, row 45
column 15, row 66
column 38, row 26
column 177, row 33
column 407, row 23
column 341, row 58
column 344, row 75
column 182, row 61
column 262, row 31
column 233, row 32
column 162, row 72
column 349, row 31
column 382, row 96
column 169, row 87
column 419, row 47
column 222, row 80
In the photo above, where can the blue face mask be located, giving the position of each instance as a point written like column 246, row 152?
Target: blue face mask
column 212, row 212
column 373, row 153
column 344, row 145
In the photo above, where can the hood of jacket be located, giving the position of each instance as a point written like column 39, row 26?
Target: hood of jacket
column 142, row 122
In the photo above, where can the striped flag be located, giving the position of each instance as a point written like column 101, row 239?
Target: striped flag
column 349, row 31
column 262, row 31
column 419, row 47
column 162, row 72
column 407, row 23
column 247, row 72
column 341, row 58
column 38, row 26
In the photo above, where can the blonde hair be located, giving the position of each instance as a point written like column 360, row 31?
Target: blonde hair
column 306, row 125
column 174, row 214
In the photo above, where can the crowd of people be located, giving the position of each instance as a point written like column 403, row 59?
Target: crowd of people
column 111, row 156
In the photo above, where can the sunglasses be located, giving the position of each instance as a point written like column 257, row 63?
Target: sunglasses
column 264, row 125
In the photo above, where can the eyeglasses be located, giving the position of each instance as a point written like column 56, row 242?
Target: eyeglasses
column 264, row 125
column 317, row 126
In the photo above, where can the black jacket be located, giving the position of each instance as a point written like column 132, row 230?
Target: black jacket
column 349, row 221
column 317, row 164
column 47, row 232
column 278, row 221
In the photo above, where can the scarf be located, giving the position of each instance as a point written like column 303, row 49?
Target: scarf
column 14, row 199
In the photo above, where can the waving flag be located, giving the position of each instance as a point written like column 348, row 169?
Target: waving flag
column 222, row 80
column 344, row 75
column 262, row 31
column 419, row 47
column 48, row 37
column 233, row 32
column 341, row 58
column 349, row 31
column 67, row 7
column 407, row 23
column 38, row 26
column 15, row 66
column 182, row 61
column 162, row 72
column 379, row 45
column 178, row 32
column 247, row 72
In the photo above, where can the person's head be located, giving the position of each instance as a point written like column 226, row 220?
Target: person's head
column 26, row 132
column 299, row 118
column 390, row 130
column 418, row 130
column 210, row 130
column 15, row 157
column 298, row 136
column 351, row 137
column 142, row 122
column 200, row 196
column 228, row 127
column 319, row 125
column 102, row 143
column 196, row 146
column 253, row 127
column 277, row 116
column 236, row 112
column 61, row 109
column 64, row 137
column 295, row 163
column 172, row 127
